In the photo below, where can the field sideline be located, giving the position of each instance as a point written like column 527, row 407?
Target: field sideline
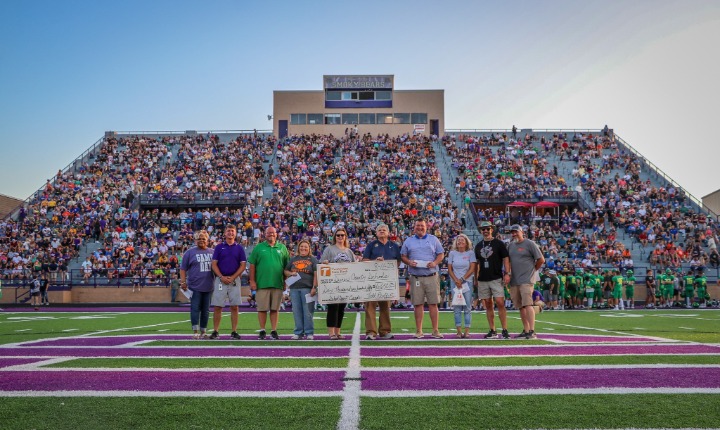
column 127, row 368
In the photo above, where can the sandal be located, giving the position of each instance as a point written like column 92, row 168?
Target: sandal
column 334, row 337
column 459, row 335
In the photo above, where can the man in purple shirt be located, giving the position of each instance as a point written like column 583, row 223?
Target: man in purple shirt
column 228, row 263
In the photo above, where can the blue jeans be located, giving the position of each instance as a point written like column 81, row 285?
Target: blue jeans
column 302, row 312
column 467, row 308
column 199, row 314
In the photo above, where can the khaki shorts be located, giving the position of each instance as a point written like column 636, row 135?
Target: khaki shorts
column 521, row 294
column 490, row 289
column 428, row 290
column 268, row 299
column 226, row 293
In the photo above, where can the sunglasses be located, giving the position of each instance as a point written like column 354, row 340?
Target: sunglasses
column 486, row 228
column 339, row 235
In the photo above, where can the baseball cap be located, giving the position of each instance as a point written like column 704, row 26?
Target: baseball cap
column 485, row 224
column 515, row 227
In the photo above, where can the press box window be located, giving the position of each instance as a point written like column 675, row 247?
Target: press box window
column 298, row 118
column 367, row 118
column 401, row 118
column 314, row 118
column 418, row 118
column 332, row 95
column 383, row 95
column 349, row 118
column 332, row 118
column 384, row 118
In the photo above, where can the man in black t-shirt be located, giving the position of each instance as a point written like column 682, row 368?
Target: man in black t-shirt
column 492, row 258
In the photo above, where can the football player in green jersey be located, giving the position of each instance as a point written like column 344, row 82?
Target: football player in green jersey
column 617, row 280
column 689, row 290
column 700, row 283
column 630, row 289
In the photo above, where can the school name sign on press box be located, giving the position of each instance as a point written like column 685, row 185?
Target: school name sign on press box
column 358, row 282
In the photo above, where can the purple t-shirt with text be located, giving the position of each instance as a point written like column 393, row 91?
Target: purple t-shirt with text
column 197, row 263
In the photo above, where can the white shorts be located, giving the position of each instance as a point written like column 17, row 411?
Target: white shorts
column 226, row 293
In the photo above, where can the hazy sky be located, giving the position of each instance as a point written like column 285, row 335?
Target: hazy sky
column 70, row 70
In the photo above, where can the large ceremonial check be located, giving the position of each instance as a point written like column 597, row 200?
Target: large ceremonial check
column 358, row 282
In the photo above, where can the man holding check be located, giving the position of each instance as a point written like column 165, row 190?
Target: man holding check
column 381, row 249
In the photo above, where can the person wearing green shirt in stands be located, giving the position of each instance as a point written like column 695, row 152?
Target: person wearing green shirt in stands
column 630, row 289
column 617, row 280
column 700, row 283
column 689, row 290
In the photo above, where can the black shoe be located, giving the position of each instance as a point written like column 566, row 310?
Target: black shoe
column 262, row 335
column 505, row 334
column 522, row 335
column 491, row 334
column 235, row 335
column 531, row 335
column 214, row 335
column 274, row 335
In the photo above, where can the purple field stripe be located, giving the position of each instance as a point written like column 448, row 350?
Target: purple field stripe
column 544, row 379
column 94, row 341
column 122, row 340
column 479, row 351
column 5, row 362
column 237, row 352
column 200, row 380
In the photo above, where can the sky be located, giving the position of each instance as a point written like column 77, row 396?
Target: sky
column 71, row 70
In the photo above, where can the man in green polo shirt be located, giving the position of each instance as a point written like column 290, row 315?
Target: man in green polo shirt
column 267, row 264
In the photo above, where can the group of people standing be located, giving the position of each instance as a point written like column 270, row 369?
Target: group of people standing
column 212, row 277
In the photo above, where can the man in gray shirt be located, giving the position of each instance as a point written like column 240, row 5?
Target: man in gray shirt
column 525, row 261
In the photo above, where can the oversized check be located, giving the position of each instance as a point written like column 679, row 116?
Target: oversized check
column 357, row 282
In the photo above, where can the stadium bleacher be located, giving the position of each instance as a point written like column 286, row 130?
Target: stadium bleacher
column 127, row 209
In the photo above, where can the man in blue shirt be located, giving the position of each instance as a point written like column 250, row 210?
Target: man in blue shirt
column 422, row 253
column 381, row 249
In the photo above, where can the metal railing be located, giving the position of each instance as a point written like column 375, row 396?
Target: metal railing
column 661, row 174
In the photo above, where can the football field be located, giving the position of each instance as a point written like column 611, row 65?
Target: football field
column 121, row 368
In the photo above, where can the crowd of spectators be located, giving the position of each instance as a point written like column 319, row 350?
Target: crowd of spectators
column 658, row 220
column 324, row 183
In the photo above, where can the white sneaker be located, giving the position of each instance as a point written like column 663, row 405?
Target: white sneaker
column 309, row 337
column 295, row 337
column 387, row 336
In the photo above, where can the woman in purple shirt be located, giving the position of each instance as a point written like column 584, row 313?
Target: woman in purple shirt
column 197, row 276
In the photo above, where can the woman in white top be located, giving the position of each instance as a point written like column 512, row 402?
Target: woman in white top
column 338, row 252
column 461, row 268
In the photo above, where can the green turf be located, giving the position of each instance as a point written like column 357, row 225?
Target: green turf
column 75, row 413
column 543, row 361
column 202, row 363
column 699, row 325
column 559, row 411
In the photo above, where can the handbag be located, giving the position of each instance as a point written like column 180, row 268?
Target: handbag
column 458, row 298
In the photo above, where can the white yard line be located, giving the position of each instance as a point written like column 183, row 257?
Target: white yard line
column 184, row 321
column 538, row 391
column 544, row 367
column 210, row 372
column 350, row 408
column 199, row 394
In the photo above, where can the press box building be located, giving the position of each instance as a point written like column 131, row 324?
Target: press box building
column 369, row 101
